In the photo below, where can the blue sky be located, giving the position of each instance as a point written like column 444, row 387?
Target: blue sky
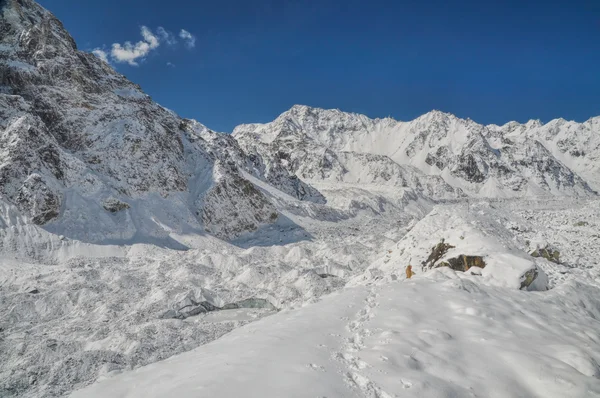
column 493, row 61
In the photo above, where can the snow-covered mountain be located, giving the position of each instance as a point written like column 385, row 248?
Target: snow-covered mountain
column 88, row 155
column 576, row 145
column 438, row 154
column 129, row 235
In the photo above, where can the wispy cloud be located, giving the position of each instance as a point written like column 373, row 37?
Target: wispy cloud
column 170, row 64
column 134, row 53
column 165, row 36
column 190, row 39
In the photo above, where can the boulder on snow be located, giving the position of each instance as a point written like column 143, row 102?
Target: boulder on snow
column 463, row 263
column 437, row 252
column 548, row 253
column 529, row 277
column 460, row 263
column 114, row 205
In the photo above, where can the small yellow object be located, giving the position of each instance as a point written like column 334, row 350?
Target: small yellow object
column 409, row 272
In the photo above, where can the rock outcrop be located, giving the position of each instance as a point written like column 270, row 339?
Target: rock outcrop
column 548, row 253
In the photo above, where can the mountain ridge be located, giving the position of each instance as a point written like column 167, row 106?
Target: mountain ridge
column 434, row 111
column 440, row 143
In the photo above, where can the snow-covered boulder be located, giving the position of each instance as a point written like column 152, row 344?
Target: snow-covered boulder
column 461, row 238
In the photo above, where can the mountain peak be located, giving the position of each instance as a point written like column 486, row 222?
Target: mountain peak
column 21, row 13
column 29, row 28
column 300, row 108
column 300, row 112
column 437, row 116
column 534, row 123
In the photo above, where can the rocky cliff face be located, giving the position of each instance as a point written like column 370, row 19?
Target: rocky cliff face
column 75, row 134
column 439, row 155
column 575, row 145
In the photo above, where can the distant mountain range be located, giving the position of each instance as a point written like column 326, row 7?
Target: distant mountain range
column 437, row 154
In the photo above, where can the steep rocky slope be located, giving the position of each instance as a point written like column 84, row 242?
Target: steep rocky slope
column 576, row 145
column 87, row 154
column 438, row 154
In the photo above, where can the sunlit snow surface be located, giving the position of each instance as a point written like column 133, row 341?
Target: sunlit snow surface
column 440, row 334
column 436, row 336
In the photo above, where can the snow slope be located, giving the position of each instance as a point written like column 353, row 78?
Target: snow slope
column 442, row 333
column 94, row 315
column 437, row 335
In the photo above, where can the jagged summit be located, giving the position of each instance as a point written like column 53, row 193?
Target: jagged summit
column 25, row 20
column 481, row 160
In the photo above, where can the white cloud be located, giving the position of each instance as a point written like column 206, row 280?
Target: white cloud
column 131, row 53
column 190, row 39
column 170, row 64
column 149, row 37
column 165, row 36
column 100, row 54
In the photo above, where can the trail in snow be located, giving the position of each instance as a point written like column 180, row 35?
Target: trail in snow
column 437, row 335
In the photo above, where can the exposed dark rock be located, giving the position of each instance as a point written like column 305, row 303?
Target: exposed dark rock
column 463, row 263
column 235, row 206
column 41, row 202
column 114, row 205
column 437, row 252
column 548, row 254
column 468, row 167
column 528, row 278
